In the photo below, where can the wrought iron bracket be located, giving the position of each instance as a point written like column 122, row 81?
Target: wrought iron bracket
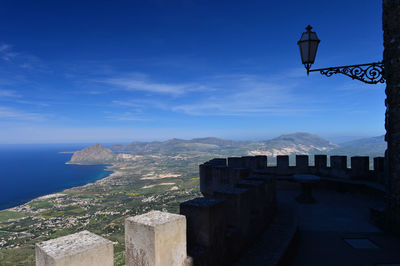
column 371, row 73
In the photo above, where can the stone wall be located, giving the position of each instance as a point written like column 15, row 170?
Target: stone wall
column 239, row 203
column 219, row 174
column 391, row 59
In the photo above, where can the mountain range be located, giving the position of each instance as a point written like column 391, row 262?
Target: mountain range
column 289, row 144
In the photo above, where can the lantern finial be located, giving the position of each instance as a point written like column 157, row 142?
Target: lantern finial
column 308, row 28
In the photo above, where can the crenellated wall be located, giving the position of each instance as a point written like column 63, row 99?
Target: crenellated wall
column 238, row 205
column 223, row 173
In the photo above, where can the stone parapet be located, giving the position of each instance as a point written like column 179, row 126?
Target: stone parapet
column 239, row 203
column 360, row 168
column 155, row 239
column 206, row 227
column 302, row 164
column 80, row 249
column 379, row 169
column 214, row 177
column 257, row 206
column 338, row 167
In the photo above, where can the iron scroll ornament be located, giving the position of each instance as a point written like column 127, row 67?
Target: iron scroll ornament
column 369, row 73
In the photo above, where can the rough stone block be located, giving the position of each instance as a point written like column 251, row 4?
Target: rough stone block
column 80, row 249
column 379, row 169
column 235, row 162
column 237, row 214
column 218, row 161
column 206, row 181
column 155, row 239
column 237, row 207
column 205, row 221
column 338, row 167
column 237, row 174
column 220, row 177
column 301, row 164
column 257, row 190
column 282, row 163
column 248, row 162
column 258, row 204
column 338, row 162
column 261, row 161
column 320, row 161
column 320, row 165
column 360, row 167
column 379, row 163
column 269, row 186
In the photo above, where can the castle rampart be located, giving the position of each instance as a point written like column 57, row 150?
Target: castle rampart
column 239, row 203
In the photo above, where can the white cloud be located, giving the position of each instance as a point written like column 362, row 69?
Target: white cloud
column 126, row 116
column 232, row 95
column 8, row 93
column 6, row 52
column 140, row 82
column 25, row 61
column 246, row 95
column 131, row 103
column 12, row 114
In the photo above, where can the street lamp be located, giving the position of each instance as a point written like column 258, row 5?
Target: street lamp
column 308, row 44
column 371, row 73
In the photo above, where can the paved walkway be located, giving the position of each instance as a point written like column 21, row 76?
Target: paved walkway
column 334, row 231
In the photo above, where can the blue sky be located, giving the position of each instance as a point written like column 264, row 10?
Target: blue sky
column 118, row 71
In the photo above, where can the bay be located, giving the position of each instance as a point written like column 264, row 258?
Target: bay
column 30, row 171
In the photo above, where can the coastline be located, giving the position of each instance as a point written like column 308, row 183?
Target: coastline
column 108, row 168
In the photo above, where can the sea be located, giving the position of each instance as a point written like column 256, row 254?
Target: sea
column 28, row 171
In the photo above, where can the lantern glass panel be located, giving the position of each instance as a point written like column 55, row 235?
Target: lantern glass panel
column 313, row 51
column 304, row 52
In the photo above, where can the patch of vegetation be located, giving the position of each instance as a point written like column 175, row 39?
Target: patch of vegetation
column 26, row 256
column 6, row 215
column 40, row 204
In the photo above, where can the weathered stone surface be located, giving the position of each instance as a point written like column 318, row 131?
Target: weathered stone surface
column 155, row 238
column 205, row 221
column 261, row 161
column 257, row 204
column 379, row 164
column 282, row 163
column 301, row 164
column 391, row 59
column 205, row 171
column 218, row 161
column 270, row 192
column 338, row 167
column 360, row 167
column 237, row 214
column 248, row 162
column 235, row 162
column 379, row 169
column 219, row 177
column 237, row 207
column 79, row 249
column 237, row 174
column 320, row 165
column 320, row 161
column 339, row 162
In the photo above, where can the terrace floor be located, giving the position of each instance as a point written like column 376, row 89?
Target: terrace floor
column 334, row 231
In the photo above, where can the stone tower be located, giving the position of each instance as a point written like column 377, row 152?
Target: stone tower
column 391, row 58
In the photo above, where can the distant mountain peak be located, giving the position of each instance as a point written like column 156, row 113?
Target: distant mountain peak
column 95, row 154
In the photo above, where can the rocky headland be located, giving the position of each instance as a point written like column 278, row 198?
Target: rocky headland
column 95, row 154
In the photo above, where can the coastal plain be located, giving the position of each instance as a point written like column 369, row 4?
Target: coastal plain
column 145, row 176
